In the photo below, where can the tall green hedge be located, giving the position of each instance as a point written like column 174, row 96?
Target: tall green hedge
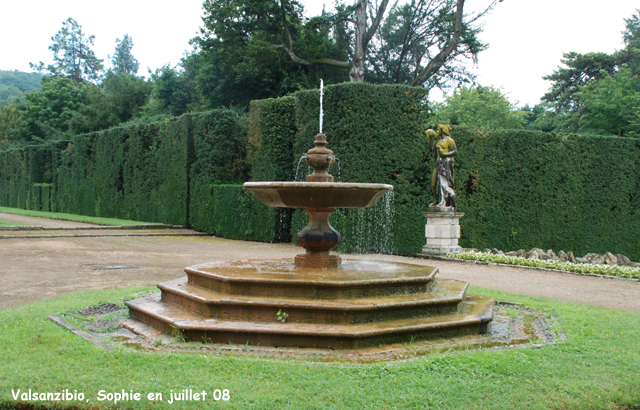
column 376, row 133
column 518, row 189
column 20, row 169
column 218, row 157
column 137, row 172
column 232, row 212
column 524, row 189
column 272, row 132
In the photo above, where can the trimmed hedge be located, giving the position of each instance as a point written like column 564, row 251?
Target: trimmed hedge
column 218, row 157
column 518, row 189
column 137, row 173
column 20, row 169
column 525, row 189
column 272, row 132
column 232, row 212
column 376, row 133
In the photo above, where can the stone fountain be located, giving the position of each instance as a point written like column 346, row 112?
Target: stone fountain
column 317, row 300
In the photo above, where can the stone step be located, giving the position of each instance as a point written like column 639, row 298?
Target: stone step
column 475, row 313
column 444, row 299
column 271, row 278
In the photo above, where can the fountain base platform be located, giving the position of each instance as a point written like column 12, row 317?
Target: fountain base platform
column 358, row 304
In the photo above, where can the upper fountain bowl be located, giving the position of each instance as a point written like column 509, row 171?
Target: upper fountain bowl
column 318, row 194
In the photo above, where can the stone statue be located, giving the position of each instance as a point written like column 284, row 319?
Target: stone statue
column 444, row 149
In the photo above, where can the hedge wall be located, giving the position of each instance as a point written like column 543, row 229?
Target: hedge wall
column 376, row 133
column 137, row 172
column 523, row 189
column 272, row 131
column 518, row 189
column 231, row 212
column 21, row 168
column 218, row 157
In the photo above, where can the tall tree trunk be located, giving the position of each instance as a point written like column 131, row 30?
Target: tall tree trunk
column 438, row 61
column 356, row 73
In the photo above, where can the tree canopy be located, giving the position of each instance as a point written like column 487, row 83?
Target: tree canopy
column 597, row 92
column 479, row 107
column 72, row 54
column 251, row 49
column 123, row 61
column 14, row 84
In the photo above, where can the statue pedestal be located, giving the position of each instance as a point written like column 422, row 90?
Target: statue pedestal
column 442, row 232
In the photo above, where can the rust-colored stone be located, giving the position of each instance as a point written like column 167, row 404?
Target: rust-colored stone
column 320, row 158
column 315, row 302
column 358, row 304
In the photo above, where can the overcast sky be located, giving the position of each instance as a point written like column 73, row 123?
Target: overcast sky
column 526, row 37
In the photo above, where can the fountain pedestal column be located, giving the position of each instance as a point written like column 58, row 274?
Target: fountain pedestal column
column 318, row 238
column 442, row 232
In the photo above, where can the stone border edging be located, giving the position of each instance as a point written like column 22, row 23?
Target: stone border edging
column 86, row 336
column 97, row 235
column 87, row 228
column 444, row 258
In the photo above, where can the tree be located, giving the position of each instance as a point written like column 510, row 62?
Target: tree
column 124, row 96
column 423, row 38
column 610, row 105
column 480, row 107
column 272, row 46
column 123, row 61
column 173, row 91
column 580, row 70
column 9, row 123
column 61, row 109
column 72, row 54
column 572, row 94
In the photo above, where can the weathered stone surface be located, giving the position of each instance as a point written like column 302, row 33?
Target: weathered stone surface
column 533, row 254
column 543, row 255
column 442, row 232
column 624, row 261
column 610, row 259
column 594, row 258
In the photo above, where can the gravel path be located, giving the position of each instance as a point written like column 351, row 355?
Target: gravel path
column 34, row 268
column 36, row 221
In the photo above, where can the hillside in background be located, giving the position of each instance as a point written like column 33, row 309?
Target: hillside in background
column 14, row 84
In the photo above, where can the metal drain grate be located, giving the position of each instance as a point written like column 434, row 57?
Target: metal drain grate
column 100, row 309
column 109, row 267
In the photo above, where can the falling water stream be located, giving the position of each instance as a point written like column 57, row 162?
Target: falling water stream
column 373, row 231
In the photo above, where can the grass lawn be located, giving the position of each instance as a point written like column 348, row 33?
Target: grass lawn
column 71, row 217
column 3, row 223
column 598, row 366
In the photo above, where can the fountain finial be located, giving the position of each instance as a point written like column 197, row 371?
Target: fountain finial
column 320, row 158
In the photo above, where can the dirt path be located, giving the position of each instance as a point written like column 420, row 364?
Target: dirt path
column 40, row 268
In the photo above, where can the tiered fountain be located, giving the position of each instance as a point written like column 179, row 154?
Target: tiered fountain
column 317, row 300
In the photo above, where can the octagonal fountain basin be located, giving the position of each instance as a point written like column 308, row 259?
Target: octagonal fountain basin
column 274, row 303
column 318, row 194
